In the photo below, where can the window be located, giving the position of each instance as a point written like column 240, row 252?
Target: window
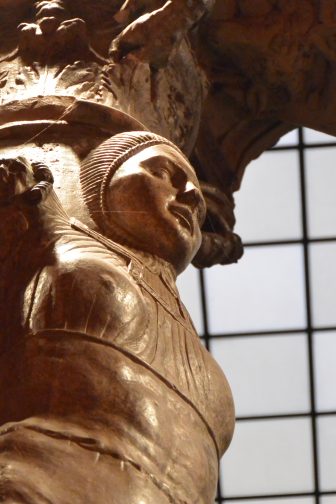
column 270, row 322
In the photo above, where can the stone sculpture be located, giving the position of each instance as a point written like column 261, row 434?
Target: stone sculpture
column 107, row 394
column 57, row 53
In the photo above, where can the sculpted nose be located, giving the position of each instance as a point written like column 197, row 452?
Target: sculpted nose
column 189, row 196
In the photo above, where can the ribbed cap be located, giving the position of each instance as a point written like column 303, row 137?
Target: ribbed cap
column 102, row 163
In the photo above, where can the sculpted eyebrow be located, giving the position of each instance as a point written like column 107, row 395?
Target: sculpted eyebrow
column 187, row 171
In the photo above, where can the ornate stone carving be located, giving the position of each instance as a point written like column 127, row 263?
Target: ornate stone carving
column 169, row 21
column 56, row 54
column 271, row 67
column 102, row 55
column 99, row 353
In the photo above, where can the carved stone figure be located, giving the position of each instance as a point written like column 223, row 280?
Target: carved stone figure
column 223, row 79
column 107, row 394
column 99, row 51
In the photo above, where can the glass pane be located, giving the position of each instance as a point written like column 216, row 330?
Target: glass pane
column 297, row 500
column 264, row 291
column 291, row 138
column 188, row 284
column 327, row 452
column 268, row 203
column 328, row 499
column 325, row 370
column 313, row 136
column 323, row 278
column 268, row 374
column 321, row 182
column 269, row 456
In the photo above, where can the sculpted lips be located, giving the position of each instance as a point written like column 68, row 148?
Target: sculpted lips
column 184, row 216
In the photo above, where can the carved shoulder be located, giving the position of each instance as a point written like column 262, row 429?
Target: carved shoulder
column 90, row 293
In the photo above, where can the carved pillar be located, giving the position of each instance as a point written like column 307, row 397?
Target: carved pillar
column 105, row 386
column 103, row 380
column 98, row 52
column 58, row 83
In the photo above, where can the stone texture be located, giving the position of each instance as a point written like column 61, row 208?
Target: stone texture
column 271, row 68
column 107, row 394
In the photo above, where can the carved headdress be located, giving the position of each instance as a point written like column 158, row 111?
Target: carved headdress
column 102, row 163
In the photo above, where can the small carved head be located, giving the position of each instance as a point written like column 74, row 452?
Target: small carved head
column 141, row 191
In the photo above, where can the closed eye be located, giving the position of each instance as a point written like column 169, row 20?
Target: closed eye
column 157, row 167
column 162, row 172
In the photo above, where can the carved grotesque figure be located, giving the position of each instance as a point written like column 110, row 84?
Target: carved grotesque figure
column 107, row 394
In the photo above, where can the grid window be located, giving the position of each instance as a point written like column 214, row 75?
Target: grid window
column 327, row 452
column 273, row 456
column 325, row 371
column 321, row 182
column 268, row 374
column 283, row 500
column 316, row 137
column 330, row 499
column 268, row 208
column 291, row 138
column 270, row 322
column 323, row 280
column 263, row 292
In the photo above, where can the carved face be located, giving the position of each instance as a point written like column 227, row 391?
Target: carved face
column 155, row 203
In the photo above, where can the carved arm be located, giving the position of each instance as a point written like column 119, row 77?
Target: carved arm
column 154, row 35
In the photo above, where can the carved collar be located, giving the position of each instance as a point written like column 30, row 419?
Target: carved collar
column 154, row 264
